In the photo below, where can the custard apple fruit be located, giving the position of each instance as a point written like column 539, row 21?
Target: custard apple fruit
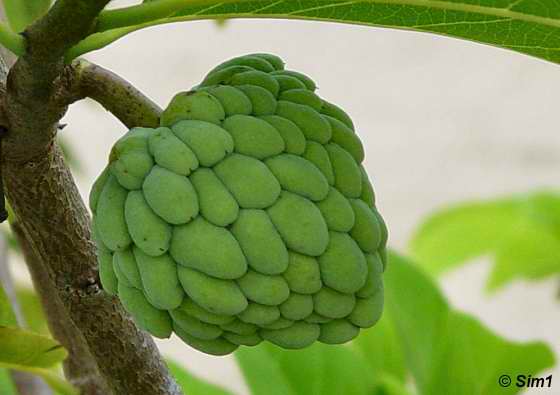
column 246, row 216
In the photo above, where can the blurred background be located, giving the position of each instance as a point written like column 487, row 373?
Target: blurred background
column 442, row 121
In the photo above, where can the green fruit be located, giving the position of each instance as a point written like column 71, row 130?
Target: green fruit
column 170, row 195
column 222, row 297
column 259, row 314
column 239, row 327
column 97, row 188
column 253, row 136
column 346, row 138
column 198, row 105
column 247, row 216
column 305, row 80
column 190, row 308
column 280, row 323
column 303, row 274
column 300, row 224
column 222, row 76
column 209, row 142
column 368, row 195
column 302, row 96
column 125, row 264
column 157, row 322
column 347, row 175
column 313, row 126
column 106, row 271
column 195, row 245
column 110, row 217
column 233, row 100
column 287, row 82
column 374, row 279
column 253, row 61
column 338, row 332
column 294, row 140
column 216, row 347
column 257, row 78
column 343, row 265
column 318, row 155
column 262, row 101
column 159, row 280
column 336, row 112
column 262, row 245
column 368, row 311
column 216, row 203
column 299, row 176
column 249, row 180
column 299, row 335
column 195, row 327
column 148, row 231
column 332, row 304
column 243, row 340
column 171, row 153
column 297, row 307
column 264, row 289
column 337, row 211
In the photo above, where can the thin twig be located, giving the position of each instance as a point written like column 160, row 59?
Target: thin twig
column 115, row 94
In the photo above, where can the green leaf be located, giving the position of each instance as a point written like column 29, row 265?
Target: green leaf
column 7, row 386
column 19, row 347
column 390, row 385
column 383, row 351
column 57, row 383
column 317, row 370
column 29, row 352
column 526, row 26
column 521, row 233
column 262, row 373
column 7, row 316
column 21, row 13
column 191, row 384
column 32, row 310
column 419, row 336
column 435, row 337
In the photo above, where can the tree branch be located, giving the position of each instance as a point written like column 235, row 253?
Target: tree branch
column 115, row 94
column 51, row 215
column 80, row 367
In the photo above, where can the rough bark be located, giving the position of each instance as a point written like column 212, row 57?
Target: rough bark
column 51, row 216
column 80, row 367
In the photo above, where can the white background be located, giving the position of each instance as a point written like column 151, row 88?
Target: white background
column 442, row 121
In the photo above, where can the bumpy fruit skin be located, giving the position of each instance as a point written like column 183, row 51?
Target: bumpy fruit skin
column 246, row 216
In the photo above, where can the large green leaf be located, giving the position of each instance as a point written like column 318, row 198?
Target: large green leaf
column 419, row 336
column 21, row 13
column 528, row 26
column 21, row 347
column 32, row 309
column 30, row 352
column 7, row 386
column 191, row 384
column 521, row 233
column 448, row 349
column 383, row 350
column 316, row 370
column 262, row 373
column 7, row 316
